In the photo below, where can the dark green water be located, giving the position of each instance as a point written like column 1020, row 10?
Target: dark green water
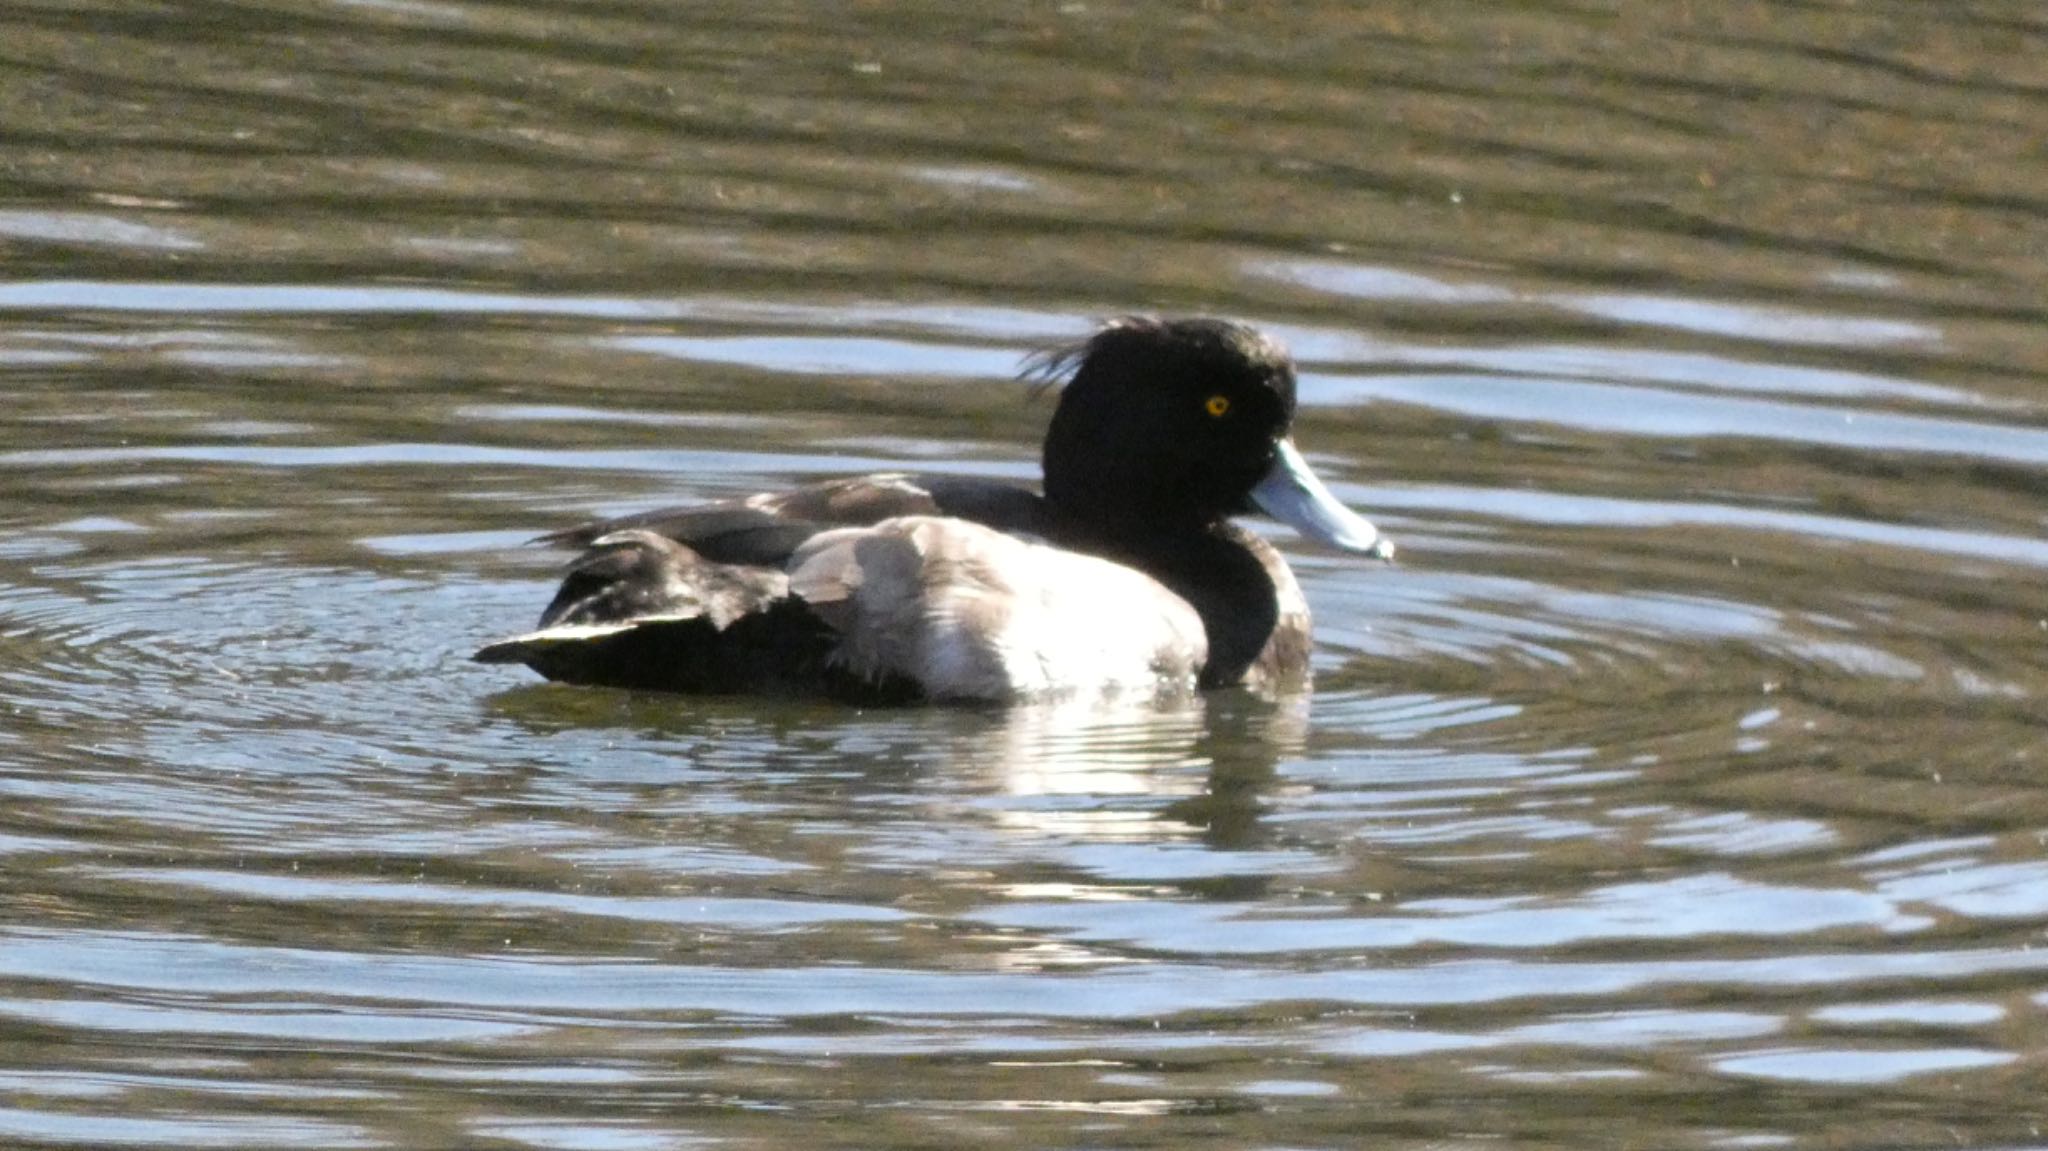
column 1684, row 786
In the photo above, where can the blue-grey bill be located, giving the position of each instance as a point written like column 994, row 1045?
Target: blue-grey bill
column 1292, row 494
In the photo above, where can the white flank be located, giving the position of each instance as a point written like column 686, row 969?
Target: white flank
column 971, row 613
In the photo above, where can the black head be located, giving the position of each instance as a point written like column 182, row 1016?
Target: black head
column 1165, row 426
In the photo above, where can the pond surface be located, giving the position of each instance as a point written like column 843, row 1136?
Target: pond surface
column 1684, row 785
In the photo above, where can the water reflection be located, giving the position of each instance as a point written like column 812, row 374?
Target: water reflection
column 1085, row 773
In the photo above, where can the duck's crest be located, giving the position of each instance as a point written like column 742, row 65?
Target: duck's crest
column 1052, row 367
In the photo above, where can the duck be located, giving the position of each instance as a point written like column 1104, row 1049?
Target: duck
column 1126, row 570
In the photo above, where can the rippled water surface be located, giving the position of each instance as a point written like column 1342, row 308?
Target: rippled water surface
column 1684, row 785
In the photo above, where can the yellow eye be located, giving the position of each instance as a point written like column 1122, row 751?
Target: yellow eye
column 1217, row 405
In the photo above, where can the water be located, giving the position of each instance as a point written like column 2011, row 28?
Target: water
column 1682, row 786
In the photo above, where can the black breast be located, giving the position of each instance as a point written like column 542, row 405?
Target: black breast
column 1251, row 607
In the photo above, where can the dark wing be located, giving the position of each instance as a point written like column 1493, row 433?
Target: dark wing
column 632, row 575
column 640, row 610
column 765, row 529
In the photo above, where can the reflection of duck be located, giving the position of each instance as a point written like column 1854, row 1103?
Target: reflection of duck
column 1091, row 772
column 898, row 587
